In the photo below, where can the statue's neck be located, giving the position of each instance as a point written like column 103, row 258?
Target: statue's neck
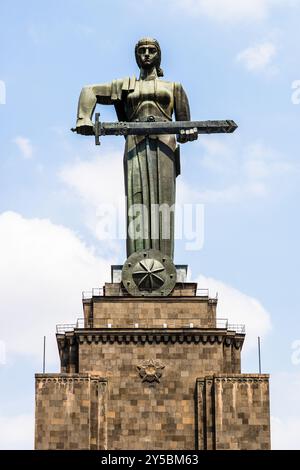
column 148, row 74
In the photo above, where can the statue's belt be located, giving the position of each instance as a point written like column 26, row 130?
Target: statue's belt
column 151, row 118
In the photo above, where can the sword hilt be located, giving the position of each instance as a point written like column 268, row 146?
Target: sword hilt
column 97, row 129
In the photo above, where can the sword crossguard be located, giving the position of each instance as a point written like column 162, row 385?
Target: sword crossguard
column 97, row 129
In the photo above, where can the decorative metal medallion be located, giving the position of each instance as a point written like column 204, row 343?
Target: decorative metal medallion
column 150, row 370
column 149, row 273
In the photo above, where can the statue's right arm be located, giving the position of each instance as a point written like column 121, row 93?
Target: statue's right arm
column 91, row 95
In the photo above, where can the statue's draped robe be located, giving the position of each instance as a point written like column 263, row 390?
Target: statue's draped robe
column 152, row 163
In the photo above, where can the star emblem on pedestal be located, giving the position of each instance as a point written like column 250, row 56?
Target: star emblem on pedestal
column 150, row 370
column 146, row 274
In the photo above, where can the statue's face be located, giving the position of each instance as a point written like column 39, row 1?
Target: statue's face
column 148, row 55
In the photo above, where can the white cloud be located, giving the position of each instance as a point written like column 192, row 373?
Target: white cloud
column 17, row 432
column 99, row 184
column 285, row 422
column 240, row 171
column 218, row 155
column 285, row 433
column 230, row 10
column 98, row 178
column 239, row 308
column 232, row 193
column 258, row 57
column 262, row 163
column 25, row 146
column 44, row 268
column 186, row 193
column 243, row 171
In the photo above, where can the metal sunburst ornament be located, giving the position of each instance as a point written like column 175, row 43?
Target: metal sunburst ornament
column 146, row 274
column 149, row 273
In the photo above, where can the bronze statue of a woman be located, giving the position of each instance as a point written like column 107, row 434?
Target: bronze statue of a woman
column 151, row 163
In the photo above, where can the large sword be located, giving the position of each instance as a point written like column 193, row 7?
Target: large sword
column 152, row 127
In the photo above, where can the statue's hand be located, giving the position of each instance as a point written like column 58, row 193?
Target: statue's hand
column 84, row 127
column 187, row 135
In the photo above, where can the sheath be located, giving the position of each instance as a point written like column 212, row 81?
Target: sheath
column 151, row 163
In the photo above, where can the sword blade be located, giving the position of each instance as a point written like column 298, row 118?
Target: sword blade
column 158, row 128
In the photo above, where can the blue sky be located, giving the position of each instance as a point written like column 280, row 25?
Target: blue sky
column 236, row 60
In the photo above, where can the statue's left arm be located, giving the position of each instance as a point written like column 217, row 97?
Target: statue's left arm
column 182, row 113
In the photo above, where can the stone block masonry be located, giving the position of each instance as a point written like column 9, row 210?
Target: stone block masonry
column 70, row 412
column 151, row 373
column 233, row 412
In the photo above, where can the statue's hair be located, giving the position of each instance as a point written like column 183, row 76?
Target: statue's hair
column 155, row 43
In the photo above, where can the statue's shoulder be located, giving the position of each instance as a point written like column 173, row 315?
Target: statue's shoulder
column 173, row 85
column 127, row 83
column 165, row 82
column 177, row 85
column 121, row 85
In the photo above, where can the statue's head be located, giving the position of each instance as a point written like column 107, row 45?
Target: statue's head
column 148, row 54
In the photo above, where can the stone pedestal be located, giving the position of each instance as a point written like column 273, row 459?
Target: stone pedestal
column 151, row 373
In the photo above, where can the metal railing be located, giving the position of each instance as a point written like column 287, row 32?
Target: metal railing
column 202, row 293
column 95, row 292
column 100, row 292
column 238, row 328
column 221, row 323
column 65, row 327
column 224, row 323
